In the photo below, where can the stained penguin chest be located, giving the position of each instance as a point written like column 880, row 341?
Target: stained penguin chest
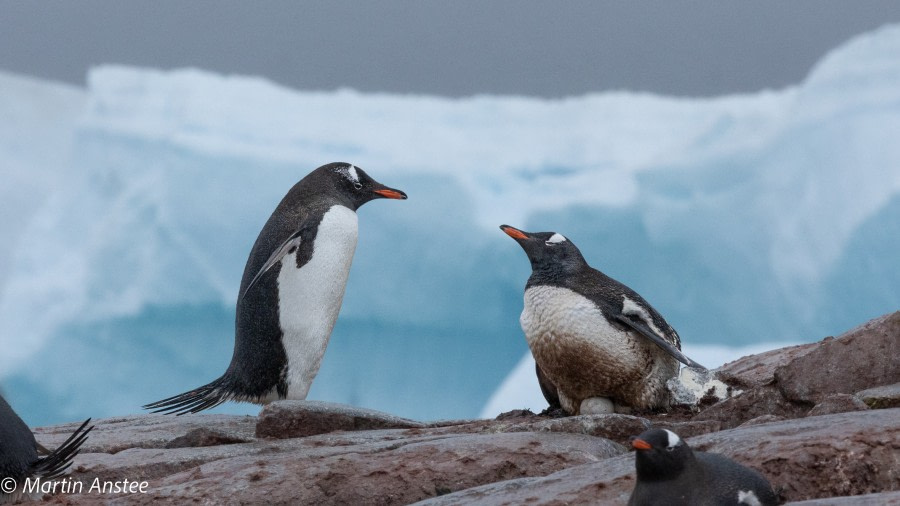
column 564, row 328
column 310, row 296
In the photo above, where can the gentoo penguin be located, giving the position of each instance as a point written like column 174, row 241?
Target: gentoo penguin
column 594, row 340
column 19, row 450
column 669, row 473
column 291, row 291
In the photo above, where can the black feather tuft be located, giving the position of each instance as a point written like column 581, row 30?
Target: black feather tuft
column 205, row 397
column 55, row 464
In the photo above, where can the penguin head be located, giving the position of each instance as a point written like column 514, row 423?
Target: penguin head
column 660, row 454
column 354, row 187
column 549, row 252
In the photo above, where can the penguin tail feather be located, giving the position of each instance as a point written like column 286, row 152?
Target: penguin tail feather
column 56, row 462
column 201, row 398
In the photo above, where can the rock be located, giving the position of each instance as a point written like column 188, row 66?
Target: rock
column 113, row 435
column 862, row 358
column 887, row 396
column 837, row 403
column 824, row 456
column 516, row 413
column 616, row 427
column 204, row 437
column 762, row 419
column 607, row 482
column 754, row 371
column 289, row 419
column 689, row 429
column 398, row 474
column 882, row 499
column 754, row 403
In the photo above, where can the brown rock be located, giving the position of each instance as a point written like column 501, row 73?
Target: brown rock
column 751, row 404
column 882, row 499
column 823, row 456
column 887, row 396
column 816, row 457
column 113, row 435
column 837, row 403
column 762, row 419
column 862, row 358
column 689, row 429
column 757, row 370
column 606, row 482
column 399, row 474
column 204, row 437
column 616, row 427
column 289, row 419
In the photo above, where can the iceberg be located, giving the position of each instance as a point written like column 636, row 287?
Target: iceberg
column 130, row 207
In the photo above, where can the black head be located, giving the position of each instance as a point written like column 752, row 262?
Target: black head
column 550, row 253
column 660, row 455
column 353, row 186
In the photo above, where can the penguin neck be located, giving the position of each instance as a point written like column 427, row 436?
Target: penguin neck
column 555, row 274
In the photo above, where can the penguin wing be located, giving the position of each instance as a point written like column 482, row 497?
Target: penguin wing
column 636, row 322
column 287, row 247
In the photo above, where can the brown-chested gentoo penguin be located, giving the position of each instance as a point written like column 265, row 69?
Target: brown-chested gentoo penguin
column 595, row 341
column 19, row 454
column 669, row 473
column 291, row 291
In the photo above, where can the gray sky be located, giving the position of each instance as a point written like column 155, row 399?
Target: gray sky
column 453, row 48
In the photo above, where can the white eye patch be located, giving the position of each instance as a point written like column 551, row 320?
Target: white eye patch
column 555, row 238
column 351, row 173
column 673, row 438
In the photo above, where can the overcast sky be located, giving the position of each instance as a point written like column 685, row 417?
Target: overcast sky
column 453, row 48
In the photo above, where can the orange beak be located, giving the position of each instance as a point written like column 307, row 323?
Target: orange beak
column 513, row 232
column 640, row 444
column 391, row 194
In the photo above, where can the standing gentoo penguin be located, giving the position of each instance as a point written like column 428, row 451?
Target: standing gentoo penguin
column 669, row 473
column 593, row 338
column 291, row 291
column 19, row 458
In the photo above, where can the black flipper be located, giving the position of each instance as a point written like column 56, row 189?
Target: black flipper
column 287, row 247
column 55, row 464
column 644, row 329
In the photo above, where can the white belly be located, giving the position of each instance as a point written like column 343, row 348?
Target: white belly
column 585, row 356
column 310, row 297
column 556, row 318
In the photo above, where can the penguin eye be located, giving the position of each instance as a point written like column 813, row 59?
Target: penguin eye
column 670, row 448
column 357, row 185
column 548, row 243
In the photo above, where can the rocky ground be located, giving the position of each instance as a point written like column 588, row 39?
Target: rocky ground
column 821, row 421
